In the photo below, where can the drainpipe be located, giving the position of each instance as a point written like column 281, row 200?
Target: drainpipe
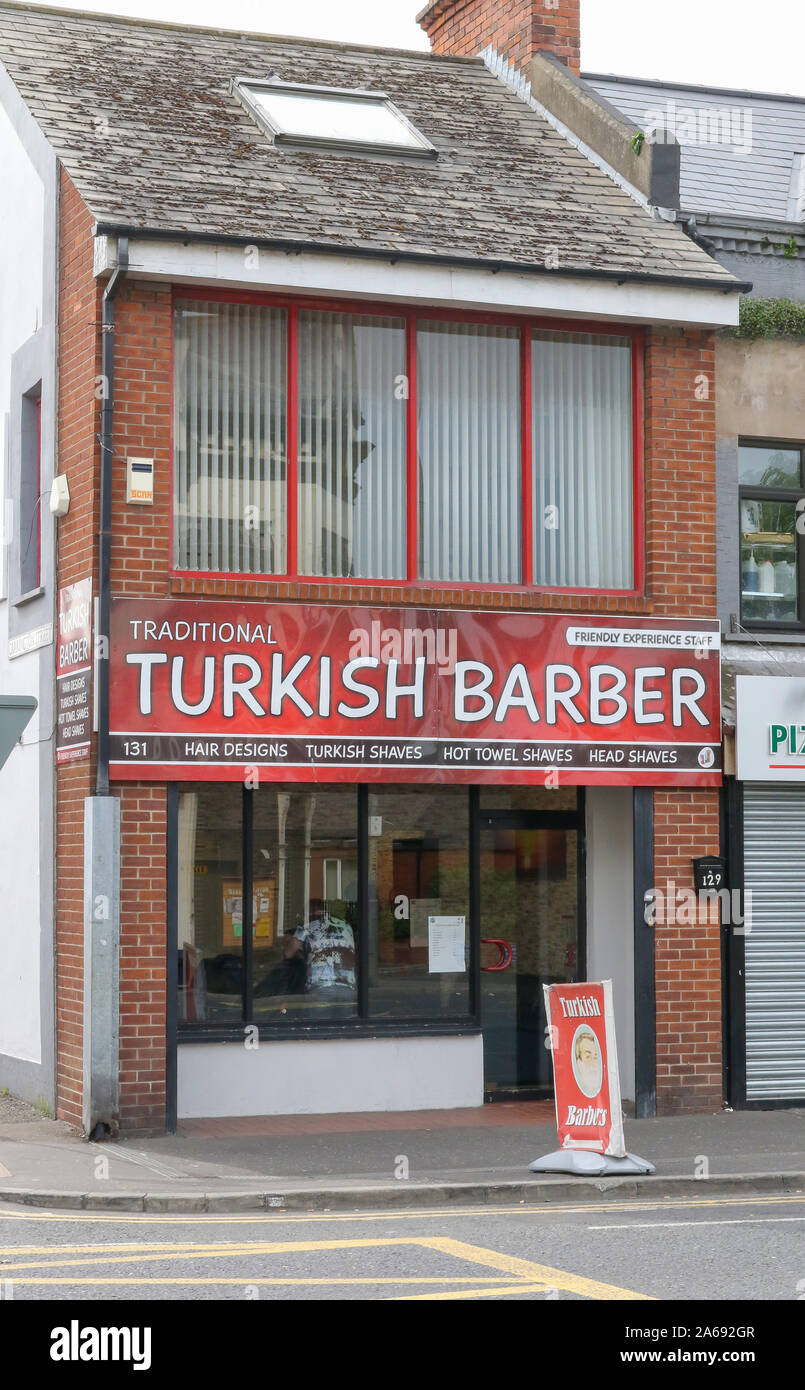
column 105, row 528
column 101, row 1029
column 690, row 227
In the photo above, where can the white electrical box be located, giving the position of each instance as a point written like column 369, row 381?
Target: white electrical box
column 60, row 495
column 140, row 481
column 375, row 825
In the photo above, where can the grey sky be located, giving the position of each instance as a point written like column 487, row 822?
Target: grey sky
column 727, row 43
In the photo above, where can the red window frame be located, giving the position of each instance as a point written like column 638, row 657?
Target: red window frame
column 527, row 325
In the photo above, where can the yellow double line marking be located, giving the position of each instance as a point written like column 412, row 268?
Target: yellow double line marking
column 513, row 1274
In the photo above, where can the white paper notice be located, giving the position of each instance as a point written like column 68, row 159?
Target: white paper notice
column 446, row 939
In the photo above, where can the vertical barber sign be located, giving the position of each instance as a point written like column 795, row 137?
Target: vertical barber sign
column 74, row 673
column 581, row 1032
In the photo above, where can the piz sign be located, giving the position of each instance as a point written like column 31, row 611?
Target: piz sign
column 211, row 690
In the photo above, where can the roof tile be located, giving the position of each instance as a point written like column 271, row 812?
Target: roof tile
column 142, row 117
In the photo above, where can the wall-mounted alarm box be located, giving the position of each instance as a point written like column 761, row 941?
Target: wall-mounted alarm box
column 140, row 481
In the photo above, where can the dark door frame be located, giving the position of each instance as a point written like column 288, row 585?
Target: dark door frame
column 172, row 961
column 733, row 951
column 481, row 819
column 645, row 989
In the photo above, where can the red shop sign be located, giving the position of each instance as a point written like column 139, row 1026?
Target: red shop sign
column 585, row 1067
column 214, row 691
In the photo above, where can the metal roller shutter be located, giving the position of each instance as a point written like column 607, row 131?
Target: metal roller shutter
column 774, row 870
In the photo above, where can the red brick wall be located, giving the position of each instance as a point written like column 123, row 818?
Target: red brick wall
column 688, row 959
column 680, row 437
column 681, row 572
column 516, row 28
column 143, row 969
column 140, row 553
column 143, row 536
column 141, row 547
column 78, row 454
column 680, row 580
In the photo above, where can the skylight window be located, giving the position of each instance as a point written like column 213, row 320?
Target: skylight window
column 331, row 117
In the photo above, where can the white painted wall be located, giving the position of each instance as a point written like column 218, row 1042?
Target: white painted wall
column 22, row 205
column 610, row 930
column 329, row 1077
column 20, row 925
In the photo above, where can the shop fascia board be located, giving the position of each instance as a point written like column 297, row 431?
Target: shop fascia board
column 410, row 282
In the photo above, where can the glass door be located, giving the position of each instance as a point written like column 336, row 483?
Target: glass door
column 529, row 901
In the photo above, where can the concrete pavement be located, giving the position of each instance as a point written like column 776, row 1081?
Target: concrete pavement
column 348, row 1162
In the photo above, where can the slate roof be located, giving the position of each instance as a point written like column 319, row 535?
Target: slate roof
column 749, row 176
column 182, row 154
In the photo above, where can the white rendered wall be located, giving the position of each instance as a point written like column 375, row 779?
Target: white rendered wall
column 610, row 929
column 22, row 206
column 334, row 1076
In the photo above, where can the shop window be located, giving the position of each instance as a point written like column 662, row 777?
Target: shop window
column 319, row 443
column 210, row 905
column 360, row 906
column 291, row 958
column 771, row 492
column 299, row 907
column 418, row 903
column 305, row 885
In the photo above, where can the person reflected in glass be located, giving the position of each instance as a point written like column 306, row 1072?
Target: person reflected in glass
column 327, row 946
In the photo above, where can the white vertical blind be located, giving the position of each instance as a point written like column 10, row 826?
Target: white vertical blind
column 352, row 446
column 468, row 407
column 230, row 437
column 230, row 417
column 582, row 461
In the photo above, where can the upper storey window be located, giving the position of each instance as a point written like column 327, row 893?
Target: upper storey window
column 375, row 443
column 771, row 477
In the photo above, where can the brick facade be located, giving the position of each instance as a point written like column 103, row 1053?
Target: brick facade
column 516, row 28
column 679, row 469
column 681, row 565
column 680, row 444
column 688, row 959
column 143, row 956
column 79, row 456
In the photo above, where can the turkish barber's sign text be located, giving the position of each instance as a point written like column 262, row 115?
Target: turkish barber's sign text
column 354, row 694
column 585, row 1067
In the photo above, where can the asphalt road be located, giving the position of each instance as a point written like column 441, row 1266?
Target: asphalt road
column 747, row 1248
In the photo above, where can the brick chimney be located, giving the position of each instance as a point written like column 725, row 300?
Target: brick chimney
column 518, row 29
